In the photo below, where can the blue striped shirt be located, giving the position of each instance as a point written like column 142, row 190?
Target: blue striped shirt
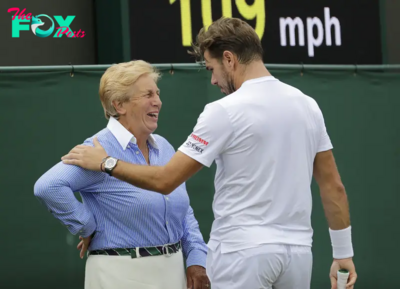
column 122, row 215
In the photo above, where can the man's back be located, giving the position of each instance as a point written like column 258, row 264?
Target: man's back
column 264, row 169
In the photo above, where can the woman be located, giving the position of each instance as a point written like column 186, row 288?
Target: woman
column 135, row 238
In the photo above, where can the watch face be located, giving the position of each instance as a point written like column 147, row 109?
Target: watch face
column 110, row 163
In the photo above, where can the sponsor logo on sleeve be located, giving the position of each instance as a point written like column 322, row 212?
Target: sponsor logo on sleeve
column 199, row 139
column 196, row 143
column 194, row 146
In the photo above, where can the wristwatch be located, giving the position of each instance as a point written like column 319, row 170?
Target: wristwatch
column 110, row 164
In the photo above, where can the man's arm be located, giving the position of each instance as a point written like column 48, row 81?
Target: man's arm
column 336, row 207
column 334, row 200
column 332, row 190
column 163, row 179
column 211, row 136
column 159, row 179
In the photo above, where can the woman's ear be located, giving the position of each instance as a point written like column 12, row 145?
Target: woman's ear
column 119, row 107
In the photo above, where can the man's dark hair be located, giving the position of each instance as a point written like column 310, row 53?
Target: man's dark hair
column 232, row 34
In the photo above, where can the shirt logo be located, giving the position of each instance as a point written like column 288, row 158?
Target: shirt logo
column 199, row 139
column 194, row 146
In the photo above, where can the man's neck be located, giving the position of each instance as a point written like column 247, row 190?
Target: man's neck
column 253, row 70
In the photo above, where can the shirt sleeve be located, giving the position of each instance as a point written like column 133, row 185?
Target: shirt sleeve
column 55, row 190
column 193, row 246
column 210, row 137
column 324, row 139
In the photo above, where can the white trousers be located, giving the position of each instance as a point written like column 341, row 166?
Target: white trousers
column 268, row 266
column 123, row 272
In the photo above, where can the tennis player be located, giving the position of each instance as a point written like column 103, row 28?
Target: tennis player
column 268, row 139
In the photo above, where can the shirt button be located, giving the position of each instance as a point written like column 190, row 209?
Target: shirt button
column 137, row 152
column 167, row 222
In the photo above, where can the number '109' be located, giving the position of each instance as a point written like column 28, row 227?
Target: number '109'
column 249, row 12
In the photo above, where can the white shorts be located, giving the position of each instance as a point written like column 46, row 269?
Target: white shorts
column 123, row 272
column 267, row 266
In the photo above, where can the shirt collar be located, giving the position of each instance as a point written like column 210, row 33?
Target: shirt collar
column 124, row 136
column 259, row 79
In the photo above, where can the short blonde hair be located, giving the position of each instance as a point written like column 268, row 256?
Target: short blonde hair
column 117, row 81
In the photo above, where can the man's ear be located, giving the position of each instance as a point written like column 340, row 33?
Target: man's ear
column 119, row 107
column 230, row 59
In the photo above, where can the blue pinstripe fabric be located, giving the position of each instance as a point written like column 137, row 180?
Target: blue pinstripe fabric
column 122, row 215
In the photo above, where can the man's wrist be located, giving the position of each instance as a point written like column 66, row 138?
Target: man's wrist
column 109, row 164
column 341, row 243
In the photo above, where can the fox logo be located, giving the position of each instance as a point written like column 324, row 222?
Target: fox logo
column 36, row 22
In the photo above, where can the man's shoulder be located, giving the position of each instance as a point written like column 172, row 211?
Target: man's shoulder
column 231, row 100
column 220, row 104
column 228, row 105
column 280, row 87
column 290, row 90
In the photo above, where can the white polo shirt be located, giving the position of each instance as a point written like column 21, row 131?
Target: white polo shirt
column 263, row 139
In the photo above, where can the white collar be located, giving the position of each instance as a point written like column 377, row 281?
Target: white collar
column 259, row 79
column 124, row 136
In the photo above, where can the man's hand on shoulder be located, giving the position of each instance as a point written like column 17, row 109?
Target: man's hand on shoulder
column 86, row 157
column 197, row 278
